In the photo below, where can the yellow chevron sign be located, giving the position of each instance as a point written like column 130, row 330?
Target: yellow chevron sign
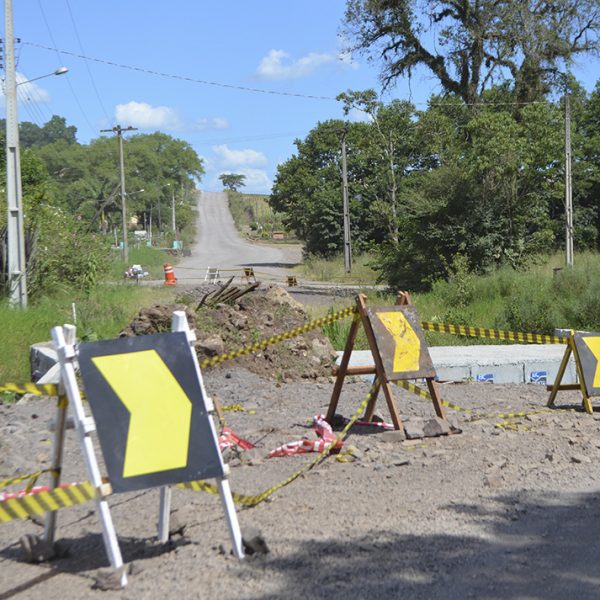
column 150, row 411
column 400, row 341
column 159, row 431
column 408, row 345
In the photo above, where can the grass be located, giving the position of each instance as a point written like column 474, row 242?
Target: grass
column 539, row 299
column 254, row 217
column 333, row 270
column 100, row 315
column 151, row 259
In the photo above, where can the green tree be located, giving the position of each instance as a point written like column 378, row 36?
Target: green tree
column 470, row 45
column 232, row 181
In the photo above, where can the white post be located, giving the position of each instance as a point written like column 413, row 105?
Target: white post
column 85, row 427
column 180, row 324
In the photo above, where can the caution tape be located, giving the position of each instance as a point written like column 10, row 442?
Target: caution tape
column 506, row 416
column 47, row 389
column 495, row 334
column 39, row 501
column 32, row 477
column 238, row 408
column 203, row 486
column 287, row 335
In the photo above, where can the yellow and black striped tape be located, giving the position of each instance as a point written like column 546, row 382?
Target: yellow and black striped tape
column 40, row 503
column 415, row 389
column 495, row 334
column 47, row 389
column 203, row 486
column 287, row 335
column 32, row 477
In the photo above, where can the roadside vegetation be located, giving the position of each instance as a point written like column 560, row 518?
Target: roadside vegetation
column 255, row 219
column 539, row 299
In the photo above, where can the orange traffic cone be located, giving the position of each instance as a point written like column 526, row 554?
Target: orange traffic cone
column 170, row 278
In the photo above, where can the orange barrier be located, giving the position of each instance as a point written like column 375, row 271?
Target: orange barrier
column 170, row 278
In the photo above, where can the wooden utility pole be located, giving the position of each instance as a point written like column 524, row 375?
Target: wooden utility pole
column 568, row 185
column 347, row 239
column 119, row 131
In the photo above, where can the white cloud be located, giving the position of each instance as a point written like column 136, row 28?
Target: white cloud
column 28, row 91
column 278, row 65
column 212, row 123
column 144, row 116
column 239, row 158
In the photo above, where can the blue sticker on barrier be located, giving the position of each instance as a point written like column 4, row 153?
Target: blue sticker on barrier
column 539, row 377
column 486, row 377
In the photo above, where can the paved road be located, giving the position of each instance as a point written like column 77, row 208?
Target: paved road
column 219, row 245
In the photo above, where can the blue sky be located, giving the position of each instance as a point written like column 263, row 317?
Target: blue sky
column 273, row 45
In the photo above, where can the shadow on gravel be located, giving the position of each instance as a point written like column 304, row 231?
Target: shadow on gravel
column 87, row 553
column 547, row 547
column 277, row 265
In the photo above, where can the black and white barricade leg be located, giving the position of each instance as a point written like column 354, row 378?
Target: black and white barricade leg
column 180, row 324
column 69, row 332
column 85, row 426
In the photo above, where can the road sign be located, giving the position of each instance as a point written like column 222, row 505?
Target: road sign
column 400, row 339
column 150, row 411
column 588, row 349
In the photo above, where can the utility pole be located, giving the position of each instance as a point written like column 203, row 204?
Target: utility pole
column 17, row 263
column 568, row 185
column 173, row 211
column 347, row 240
column 119, row 131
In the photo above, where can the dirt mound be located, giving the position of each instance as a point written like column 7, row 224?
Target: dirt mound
column 254, row 317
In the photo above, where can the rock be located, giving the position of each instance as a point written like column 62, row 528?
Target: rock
column 323, row 350
column 252, row 456
column 580, row 458
column 108, row 579
column 36, row 549
column 211, row 346
column 414, row 429
column 176, row 525
column 135, row 568
column 253, row 541
column 42, row 357
column 355, row 452
column 399, row 460
column 436, row 427
column 394, row 436
column 278, row 295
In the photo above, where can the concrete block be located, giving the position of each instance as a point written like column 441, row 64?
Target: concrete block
column 551, row 368
column 502, row 373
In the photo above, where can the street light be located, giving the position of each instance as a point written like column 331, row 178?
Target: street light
column 59, row 71
column 17, row 263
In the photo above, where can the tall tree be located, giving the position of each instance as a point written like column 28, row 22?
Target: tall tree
column 470, row 45
column 232, row 181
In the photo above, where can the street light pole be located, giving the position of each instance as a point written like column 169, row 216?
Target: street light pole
column 17, row 265
column 119, row 131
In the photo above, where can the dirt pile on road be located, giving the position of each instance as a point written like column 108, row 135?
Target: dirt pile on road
column 259, row 315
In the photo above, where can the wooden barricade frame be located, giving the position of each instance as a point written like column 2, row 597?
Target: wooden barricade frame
column 558, row 386
column 248, row 275
column 64, row 341
column 382, row 380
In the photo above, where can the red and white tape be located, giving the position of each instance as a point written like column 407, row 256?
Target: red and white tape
column 326, row 438
column 228, row 439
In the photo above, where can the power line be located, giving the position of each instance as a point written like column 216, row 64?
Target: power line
column 86, row 62
column 58, row 53
column 184, row 78
column 260, row 90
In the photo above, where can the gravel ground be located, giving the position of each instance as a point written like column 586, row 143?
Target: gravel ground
column 486, row 513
